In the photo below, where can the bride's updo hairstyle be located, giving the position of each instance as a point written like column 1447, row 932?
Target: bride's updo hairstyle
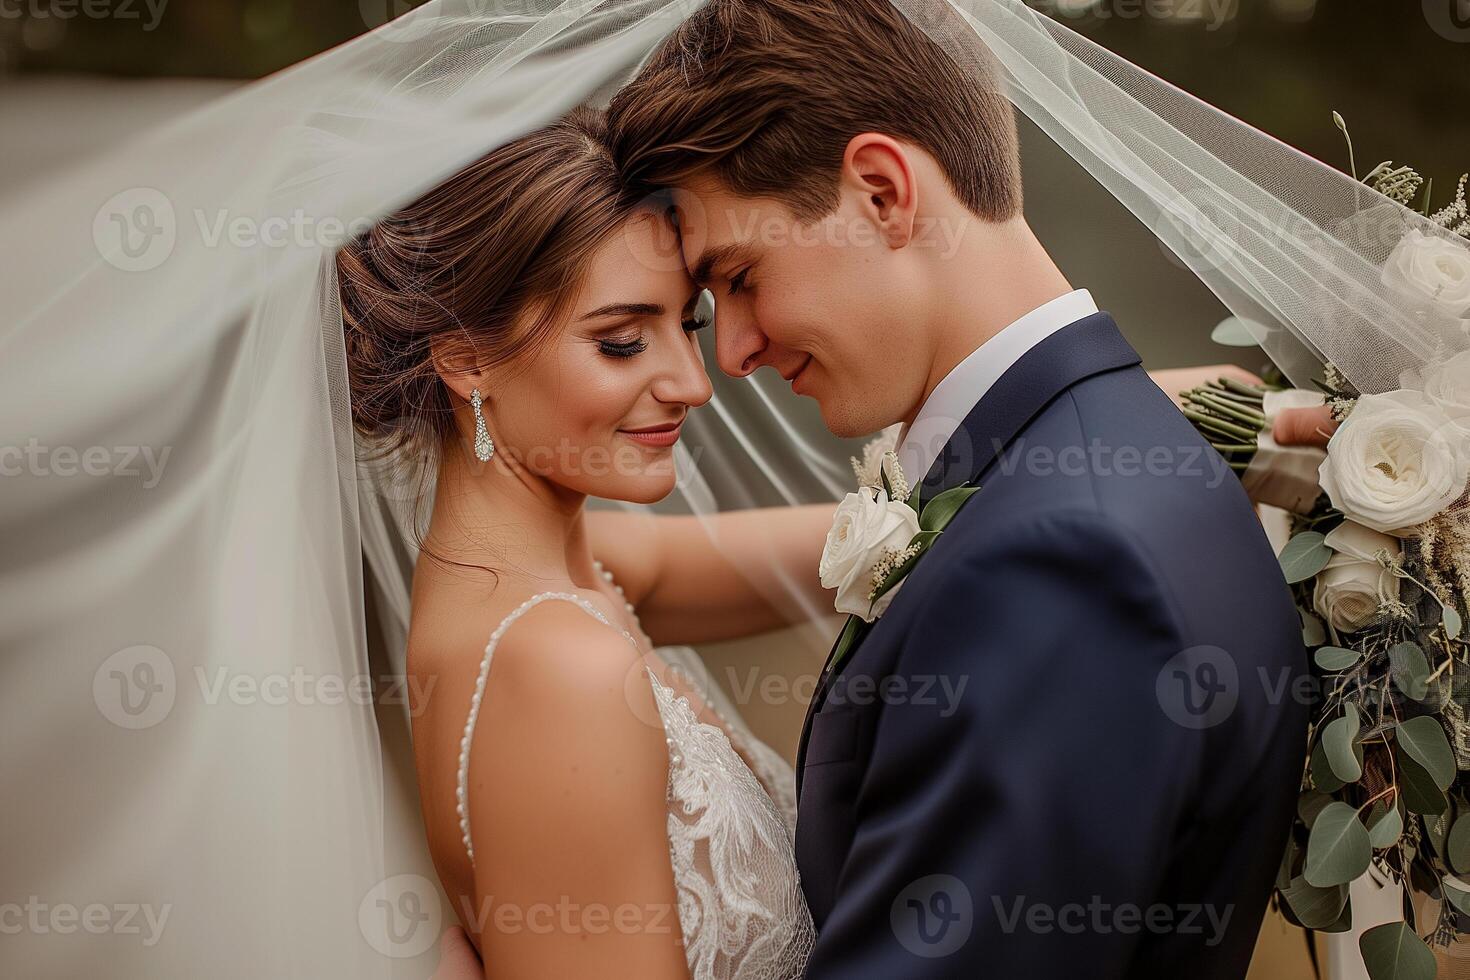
column 482, row 267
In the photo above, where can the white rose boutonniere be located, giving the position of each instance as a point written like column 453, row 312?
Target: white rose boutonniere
column 1435, row 268
column 877, row 537
column 1357, row 583
column 868, row 526
column 1396, row 462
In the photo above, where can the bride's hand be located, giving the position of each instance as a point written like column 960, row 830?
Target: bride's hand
column 1305, row 427
column 457, row 958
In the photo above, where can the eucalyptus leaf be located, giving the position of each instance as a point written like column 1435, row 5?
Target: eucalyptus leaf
column 1452, row 623
column 1338, row 741
column 1338, row 850
column 1288, row 864
column 1304, row 556
column 1314, row 634
column 1393, row 952
column 1421, row 794
column 1315, row 908
column 1337, row 658
column 1385, row 826
column 1324, row 777
column 1457, row 891
column 1311, row 803
column 937, row 514
column 1424, row 741
column 1409, row 669
column 1235, row 331
column 1457, row 844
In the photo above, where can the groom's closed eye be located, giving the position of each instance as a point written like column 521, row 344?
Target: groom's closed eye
column 714, row 262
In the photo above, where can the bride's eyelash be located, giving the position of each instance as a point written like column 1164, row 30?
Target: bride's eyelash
column 623, row 348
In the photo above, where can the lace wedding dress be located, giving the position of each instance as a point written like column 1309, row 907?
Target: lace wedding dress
column 731, row 819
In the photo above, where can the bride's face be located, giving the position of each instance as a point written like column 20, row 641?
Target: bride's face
column 599, row 408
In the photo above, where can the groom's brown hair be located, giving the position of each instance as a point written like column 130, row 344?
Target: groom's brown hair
column 766, row 94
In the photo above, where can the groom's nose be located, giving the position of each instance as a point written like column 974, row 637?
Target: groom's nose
column 740, row 346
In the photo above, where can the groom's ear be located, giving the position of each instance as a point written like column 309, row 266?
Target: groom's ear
column 878, row 171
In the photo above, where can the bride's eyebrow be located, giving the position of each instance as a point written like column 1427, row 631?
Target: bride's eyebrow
column 624, row 309
column 719, row 255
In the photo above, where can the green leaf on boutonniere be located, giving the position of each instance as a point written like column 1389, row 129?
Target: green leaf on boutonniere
column 941, row 510
column 852, row 631
column 915, row 500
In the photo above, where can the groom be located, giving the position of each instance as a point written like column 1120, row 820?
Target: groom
column 1110, row 795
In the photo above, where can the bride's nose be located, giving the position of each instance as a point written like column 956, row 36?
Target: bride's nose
column 682, row 378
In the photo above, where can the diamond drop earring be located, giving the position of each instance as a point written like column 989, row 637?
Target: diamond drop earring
column 484, row 446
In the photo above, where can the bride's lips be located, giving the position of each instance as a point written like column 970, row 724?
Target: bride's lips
column 659, row 436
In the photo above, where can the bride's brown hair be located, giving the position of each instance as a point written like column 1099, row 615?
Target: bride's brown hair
column 483, row 266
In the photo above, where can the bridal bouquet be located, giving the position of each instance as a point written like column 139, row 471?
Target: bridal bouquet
column 1379, row 560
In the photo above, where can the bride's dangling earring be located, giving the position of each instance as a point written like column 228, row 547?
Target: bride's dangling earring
column 484, row 446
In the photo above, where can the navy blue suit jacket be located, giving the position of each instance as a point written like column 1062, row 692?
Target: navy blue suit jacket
column 1070, row 747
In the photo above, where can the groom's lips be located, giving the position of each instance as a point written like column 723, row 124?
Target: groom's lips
column 796, row 378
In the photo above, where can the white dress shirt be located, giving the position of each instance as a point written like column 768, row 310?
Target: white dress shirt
column 962, row 388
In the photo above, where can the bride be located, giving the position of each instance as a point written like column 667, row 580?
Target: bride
column 512, row 310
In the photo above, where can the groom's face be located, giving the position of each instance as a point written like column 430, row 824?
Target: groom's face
column 822, row 303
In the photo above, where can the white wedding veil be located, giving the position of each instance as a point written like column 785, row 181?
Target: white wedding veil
column 204, row 595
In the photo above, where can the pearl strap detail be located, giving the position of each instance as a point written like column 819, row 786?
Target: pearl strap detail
column 462, row 803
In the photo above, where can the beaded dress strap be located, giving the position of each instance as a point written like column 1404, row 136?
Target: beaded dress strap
column 462, row 802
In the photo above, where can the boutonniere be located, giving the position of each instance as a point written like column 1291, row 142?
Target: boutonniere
column 877, row 537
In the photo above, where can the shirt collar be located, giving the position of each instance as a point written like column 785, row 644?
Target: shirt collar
column 961, row 389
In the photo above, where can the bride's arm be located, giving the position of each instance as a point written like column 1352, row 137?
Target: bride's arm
column 696, row 580
column 568, row 809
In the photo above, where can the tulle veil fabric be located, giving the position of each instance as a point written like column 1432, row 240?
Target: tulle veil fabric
column 204, row 592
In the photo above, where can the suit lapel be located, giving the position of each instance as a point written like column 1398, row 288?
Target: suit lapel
column 1091, row 346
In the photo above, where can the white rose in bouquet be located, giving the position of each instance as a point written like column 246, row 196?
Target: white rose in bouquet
column 867, row 524
column 1432, row 267
column 1396, row 462
column 1448, row 385
column 1355, row 585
